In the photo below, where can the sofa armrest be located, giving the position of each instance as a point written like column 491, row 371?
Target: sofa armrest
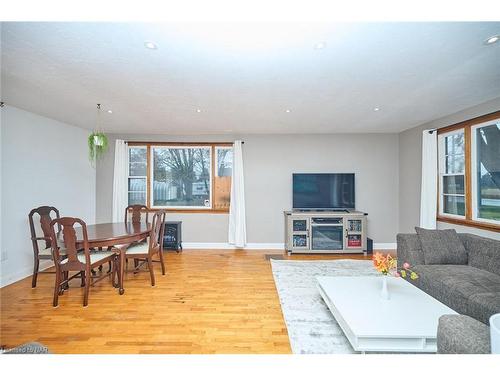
column 409, row 249
column 461, row 334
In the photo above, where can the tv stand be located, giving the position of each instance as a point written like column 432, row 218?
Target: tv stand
column 325, row 232
column 321, row 210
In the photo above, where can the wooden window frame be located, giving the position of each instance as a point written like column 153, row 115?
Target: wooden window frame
column 213, row 145
column 467, row 128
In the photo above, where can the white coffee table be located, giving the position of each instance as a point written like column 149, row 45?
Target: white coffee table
column 407, row 322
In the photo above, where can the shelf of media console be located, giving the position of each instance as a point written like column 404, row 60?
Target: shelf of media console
column 299, row 231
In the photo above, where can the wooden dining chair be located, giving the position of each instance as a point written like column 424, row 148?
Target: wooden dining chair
column 79, row 262
column 137, row 211
column 140, row 213
column 43, row 216
column 143, row 252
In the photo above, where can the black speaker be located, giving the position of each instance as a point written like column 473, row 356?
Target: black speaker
column 369, row 246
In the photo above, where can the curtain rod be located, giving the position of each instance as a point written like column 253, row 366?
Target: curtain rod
column 431, row 131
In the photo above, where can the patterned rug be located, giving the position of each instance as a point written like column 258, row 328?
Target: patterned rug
column 312, row 329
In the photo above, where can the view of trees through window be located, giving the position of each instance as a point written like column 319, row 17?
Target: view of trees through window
column 181, row 176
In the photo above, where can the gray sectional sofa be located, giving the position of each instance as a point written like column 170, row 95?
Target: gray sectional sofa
column 462, row 271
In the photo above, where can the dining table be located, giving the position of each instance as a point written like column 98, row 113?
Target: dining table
column 112, row 234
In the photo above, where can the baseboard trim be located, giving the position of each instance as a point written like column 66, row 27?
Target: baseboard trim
column 262, row 246
column 23, row 273
column 226, row 246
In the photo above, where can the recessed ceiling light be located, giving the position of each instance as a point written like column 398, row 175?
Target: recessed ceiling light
column 492, row 39
column 110, row 111
column 376, row 109
column 150, row 45
column 198, row 110
column 320, row 45
column 287, row 111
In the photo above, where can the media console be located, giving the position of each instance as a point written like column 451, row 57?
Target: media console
column 325, row 232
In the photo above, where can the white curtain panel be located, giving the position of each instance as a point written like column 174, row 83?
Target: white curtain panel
column 120, row 176
column 428, row 196
column 237, row 220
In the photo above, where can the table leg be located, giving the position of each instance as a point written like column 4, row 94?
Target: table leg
column 122, row 270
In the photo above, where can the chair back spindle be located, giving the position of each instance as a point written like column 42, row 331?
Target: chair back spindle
column 137, row 211
column 69, row 240
column 46, row 215
column 157, row 228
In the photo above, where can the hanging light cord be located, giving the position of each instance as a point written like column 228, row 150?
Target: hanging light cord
column 98, row 128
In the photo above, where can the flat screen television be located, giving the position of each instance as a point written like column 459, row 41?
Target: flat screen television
column 323, row 191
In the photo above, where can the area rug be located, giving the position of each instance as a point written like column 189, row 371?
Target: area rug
column 312, row 329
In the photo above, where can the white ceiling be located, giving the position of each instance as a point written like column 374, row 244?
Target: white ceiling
column 243, row 77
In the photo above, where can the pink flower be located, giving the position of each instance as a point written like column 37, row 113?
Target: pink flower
column 397, row 274
column 406, row 265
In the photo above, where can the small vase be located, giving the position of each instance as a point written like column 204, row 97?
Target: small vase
column 384, row 293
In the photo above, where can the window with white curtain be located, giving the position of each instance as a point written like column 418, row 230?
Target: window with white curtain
column 469, row 172
column 181, row 176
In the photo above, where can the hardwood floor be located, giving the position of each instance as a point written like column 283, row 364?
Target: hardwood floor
column 210, row 301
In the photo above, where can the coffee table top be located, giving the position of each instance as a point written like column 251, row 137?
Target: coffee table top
column 409, row 312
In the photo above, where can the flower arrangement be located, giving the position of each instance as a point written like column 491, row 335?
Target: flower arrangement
column 405, row 271
column 384, row 263
column 387, row 264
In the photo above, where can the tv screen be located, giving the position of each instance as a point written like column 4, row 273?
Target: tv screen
column 323, row 191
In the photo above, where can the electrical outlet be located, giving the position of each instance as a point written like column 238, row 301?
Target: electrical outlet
column 3, row 255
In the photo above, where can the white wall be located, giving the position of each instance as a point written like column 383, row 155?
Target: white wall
column 269, row 161
column 44, row 162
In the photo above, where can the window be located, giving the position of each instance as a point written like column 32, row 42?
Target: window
column 137, row 175
column 223, row 173
column 486, row 172
column 452, row 173
column 183, row 177
column 469, row 172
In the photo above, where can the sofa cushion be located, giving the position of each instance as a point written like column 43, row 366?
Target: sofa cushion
column 457, row 285
column 484, row 305
column 461, row 334
column 483, row 252
column 441, row 246
column 409, row 249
